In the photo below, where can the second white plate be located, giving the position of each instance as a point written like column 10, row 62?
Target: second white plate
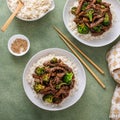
column 103, row 40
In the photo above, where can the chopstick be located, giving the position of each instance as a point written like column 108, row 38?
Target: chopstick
column 7, row 23
column 80, row 51
column 82, row 61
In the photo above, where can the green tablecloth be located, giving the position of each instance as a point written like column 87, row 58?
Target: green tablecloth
column 14, row 104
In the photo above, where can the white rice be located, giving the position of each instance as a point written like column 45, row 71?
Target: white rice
column 32, row 9
column 88, row 37
column 40, row 62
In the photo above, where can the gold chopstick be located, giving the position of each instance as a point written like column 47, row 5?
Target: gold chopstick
column 80, row 51
column 82, row 61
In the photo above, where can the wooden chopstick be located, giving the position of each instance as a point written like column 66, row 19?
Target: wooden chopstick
column 82, row 61
column 63, row 37
column 80, row 51
column 7, row 23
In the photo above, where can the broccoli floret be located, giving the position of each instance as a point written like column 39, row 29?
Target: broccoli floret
column 39, row 70
column 46, row 77
column 68, row 78
column 48, row 98
column 83, row 29
column 97, row 28
column 73, row 10
column 106, row 21
column 89, row 14
column 98, row 1
column 85, row 4
column 37, row 87
column 102, row 6
column 53, row 60
column 60, row 85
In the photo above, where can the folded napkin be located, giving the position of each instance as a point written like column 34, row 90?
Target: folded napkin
column 113, row 59
column 115, row 104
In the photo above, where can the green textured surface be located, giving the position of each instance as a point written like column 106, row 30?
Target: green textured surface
column 14, row 104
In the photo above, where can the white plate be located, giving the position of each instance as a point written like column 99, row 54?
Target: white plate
column 109, row 35
column 70, row 100
column 34, row 19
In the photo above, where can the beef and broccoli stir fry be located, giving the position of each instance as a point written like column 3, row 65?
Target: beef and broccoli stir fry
column 53, row 80
column 92, row 16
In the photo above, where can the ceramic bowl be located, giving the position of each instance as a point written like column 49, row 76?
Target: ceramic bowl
column 11, row 41
column 77, row 91
column 35, row 18
column 98, row 41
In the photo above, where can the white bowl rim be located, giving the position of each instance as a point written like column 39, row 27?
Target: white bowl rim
column 12, row 39
column 48, row 50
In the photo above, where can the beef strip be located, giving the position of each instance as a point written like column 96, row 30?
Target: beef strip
column 79, row 7
column 97, row 17
column 96, row 23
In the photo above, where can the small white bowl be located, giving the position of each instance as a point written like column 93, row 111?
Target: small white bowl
column 108, row 37
column 33, row 19
column 12, row 39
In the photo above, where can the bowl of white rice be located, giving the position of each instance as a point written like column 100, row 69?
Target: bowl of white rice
column 94, row 41
column 32, row 9
column 69, row 59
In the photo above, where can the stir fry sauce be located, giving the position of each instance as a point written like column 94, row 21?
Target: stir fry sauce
column 92, row 16
column 53, row 80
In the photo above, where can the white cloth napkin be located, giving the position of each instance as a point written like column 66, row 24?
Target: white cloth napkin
column 115, row 104
column 113, row 59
